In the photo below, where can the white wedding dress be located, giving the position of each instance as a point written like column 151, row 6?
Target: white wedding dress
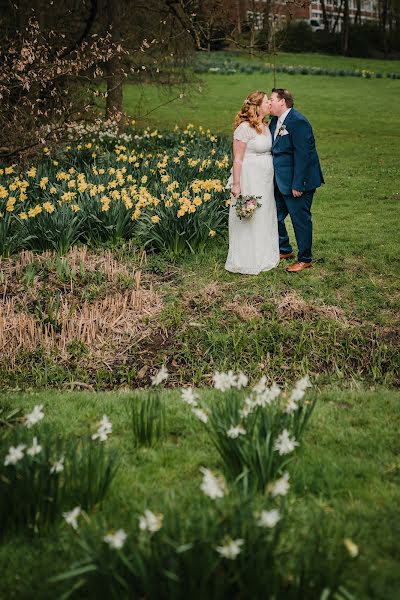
column 254, row 242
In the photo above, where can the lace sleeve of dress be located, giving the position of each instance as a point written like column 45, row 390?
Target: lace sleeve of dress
column 243, row 133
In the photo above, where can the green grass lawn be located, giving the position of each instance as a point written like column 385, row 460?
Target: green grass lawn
column 347, row 471
column 342, row 326
column 356, row 214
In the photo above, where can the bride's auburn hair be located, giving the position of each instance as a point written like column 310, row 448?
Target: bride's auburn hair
column 250, row 111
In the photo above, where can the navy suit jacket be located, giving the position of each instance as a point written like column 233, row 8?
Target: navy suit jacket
column 295, row 157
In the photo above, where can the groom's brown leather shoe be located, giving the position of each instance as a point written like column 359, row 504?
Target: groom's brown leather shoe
column 286, row 255
column 297, row 267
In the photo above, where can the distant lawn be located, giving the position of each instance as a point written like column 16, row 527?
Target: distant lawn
column 317, row 60
column 352, row 109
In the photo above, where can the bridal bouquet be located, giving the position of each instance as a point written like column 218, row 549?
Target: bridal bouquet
column 246, row 206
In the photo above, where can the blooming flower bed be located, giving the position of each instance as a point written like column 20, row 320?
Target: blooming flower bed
column 165, row 189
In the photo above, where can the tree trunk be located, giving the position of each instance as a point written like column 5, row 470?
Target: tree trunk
column 357, row 16
column 345, row 30
column 113, row 67
column 324, row 16
column 239, row 17
column 383, row 23
column 339, row 12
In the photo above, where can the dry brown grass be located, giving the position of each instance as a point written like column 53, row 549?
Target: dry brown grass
column 205, row 297
column 107, row 326
column 244, row 310
column 293, row 306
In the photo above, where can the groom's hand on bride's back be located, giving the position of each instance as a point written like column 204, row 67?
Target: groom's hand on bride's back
column 296, row 193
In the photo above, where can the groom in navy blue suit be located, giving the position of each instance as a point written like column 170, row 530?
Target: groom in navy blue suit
column 297, row 175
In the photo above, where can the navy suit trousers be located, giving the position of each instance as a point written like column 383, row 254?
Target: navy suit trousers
column 299, row 210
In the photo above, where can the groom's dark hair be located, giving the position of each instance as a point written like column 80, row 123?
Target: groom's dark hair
column 286, row 95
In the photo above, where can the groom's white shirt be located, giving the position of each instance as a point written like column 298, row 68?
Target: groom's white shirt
column 281, row 120
column 284, row 115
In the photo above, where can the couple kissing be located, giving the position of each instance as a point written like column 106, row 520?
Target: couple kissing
column 275, row 173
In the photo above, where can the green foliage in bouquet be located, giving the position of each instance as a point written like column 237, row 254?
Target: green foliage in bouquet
column 246, row 206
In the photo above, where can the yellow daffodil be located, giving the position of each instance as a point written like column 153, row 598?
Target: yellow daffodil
column 36, row 210
column 49, row 207
column 10, row 204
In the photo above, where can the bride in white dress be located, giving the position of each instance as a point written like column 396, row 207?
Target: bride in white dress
column 253, row 242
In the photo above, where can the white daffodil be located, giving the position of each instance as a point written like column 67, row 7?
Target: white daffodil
column 15, row 454
column 298, row 393
column 200, row 414
column 269, row 518
column 284, row 444
column 224, row 381
column 280, row 487
column 58, row 466
column 274, row 390
column 249, row 406
column 235, row 432
column 263, row 398
column 259, row 388
column 71, row 516
column 35, row 416
column 189, row 396
column 351, row 547
column 242, row 380
column 104, row 429
column 291, row 406
column 267, row 396
column 303, row 383
column 150, row 521
column 159, row 377
column 231, row 549
column 212, row 486
column 116, row 540
column 35, row 448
